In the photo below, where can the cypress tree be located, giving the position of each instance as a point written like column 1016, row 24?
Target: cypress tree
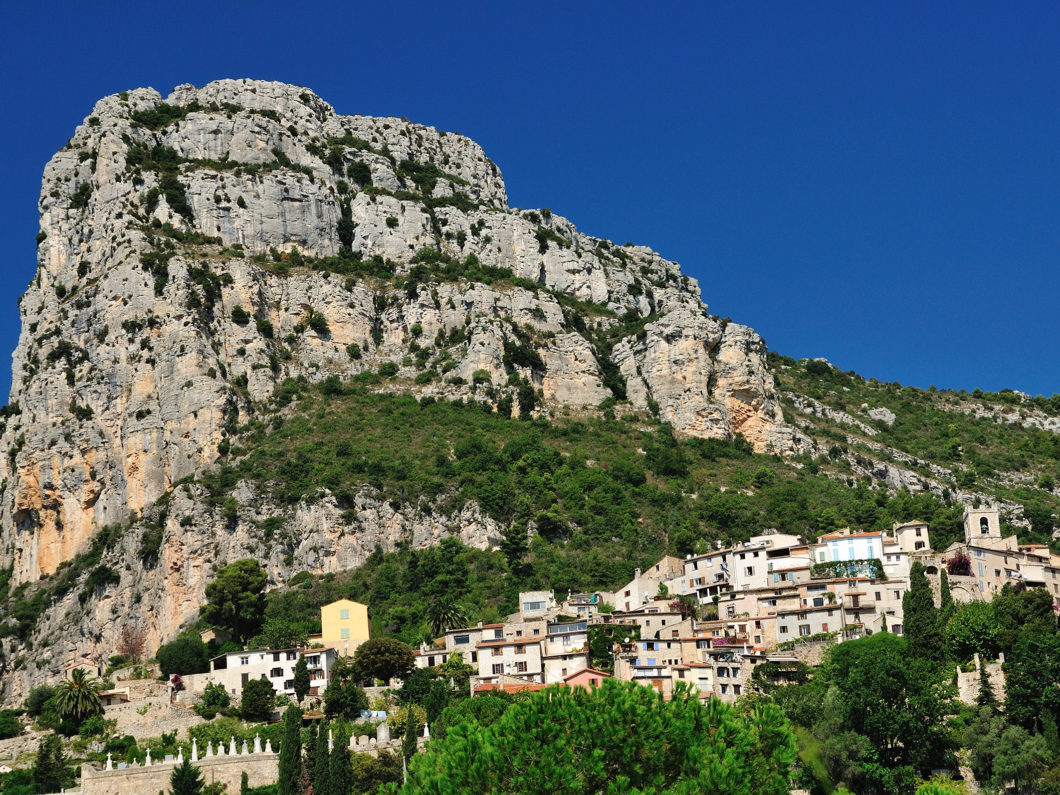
column 921, row 619
column 340, row 773
column 408, row 742
column 321, row 779
column 244, row 783
column 301, row 678
column 291, row 750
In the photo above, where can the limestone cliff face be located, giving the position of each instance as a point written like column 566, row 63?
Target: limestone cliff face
column 183, row 273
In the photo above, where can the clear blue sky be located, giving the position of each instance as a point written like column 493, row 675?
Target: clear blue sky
column 875, row 183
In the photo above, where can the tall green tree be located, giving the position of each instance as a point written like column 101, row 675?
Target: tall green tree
column 290, row 762
column 564, row 740
column 236, row 598
column 301, row 678
column 77, row 696
column 186, row 779
column 921, row 621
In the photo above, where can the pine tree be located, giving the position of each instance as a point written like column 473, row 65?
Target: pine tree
column 291, row 750
column 321, row 778
column 921, row 619
column 186, row 779
column 301, row 678
column 340, row 773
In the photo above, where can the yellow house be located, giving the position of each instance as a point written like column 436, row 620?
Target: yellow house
column 343, row 625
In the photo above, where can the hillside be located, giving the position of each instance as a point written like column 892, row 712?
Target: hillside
column 262, row 329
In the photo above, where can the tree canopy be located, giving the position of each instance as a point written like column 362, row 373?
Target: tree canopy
column 619, row 737
column 383, row 658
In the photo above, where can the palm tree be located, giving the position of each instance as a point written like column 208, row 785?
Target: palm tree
column 443, row 614
column 78, row 696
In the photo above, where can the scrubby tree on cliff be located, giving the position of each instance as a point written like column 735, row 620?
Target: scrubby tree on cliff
column 236, row 598
column 564, row 740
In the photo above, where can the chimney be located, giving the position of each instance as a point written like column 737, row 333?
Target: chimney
column 636, row 574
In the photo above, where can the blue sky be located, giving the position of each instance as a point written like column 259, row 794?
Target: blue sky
column 874, row 183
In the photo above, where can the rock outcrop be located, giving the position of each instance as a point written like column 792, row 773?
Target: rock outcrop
column 196, row 251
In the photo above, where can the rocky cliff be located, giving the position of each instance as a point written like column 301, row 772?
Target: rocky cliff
column 197, row 251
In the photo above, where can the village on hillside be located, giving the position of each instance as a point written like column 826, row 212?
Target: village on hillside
column 724, row 624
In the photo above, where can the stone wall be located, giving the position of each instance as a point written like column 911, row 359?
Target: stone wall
column 261, row 769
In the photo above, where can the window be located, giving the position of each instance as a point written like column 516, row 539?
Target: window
column 824, row 627
column 275, row 656
column 288, row 684
column 344, row 633
column 462, row 639
column 292, row 655
column 344, row 614
column 520, row 667
column 497, row 651
column 537, row 631
column 275, row 673
column 984, row 525
column 498, row 634
column 498, row 668
column 878, row 596
column 626, row 593
column 804, row 629
column 244, row 661
column 783, row 630
column 518, row 633
column 736, row 690
column 520, row 649
column 244, row 679
column 530, row 606
column 724, row 689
